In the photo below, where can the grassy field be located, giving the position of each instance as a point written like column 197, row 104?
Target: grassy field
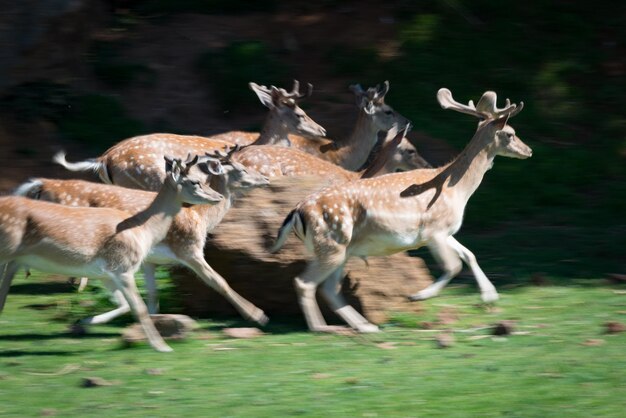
column 560, row 362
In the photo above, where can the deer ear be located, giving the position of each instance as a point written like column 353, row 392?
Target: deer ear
column 169, row 162
column 215, row 167
column 263, row 94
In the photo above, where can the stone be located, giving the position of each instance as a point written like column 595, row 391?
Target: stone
column 170, row 326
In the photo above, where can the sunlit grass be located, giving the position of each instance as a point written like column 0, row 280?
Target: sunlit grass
column 559, row 364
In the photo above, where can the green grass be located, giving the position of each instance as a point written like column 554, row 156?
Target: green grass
column 549, row 370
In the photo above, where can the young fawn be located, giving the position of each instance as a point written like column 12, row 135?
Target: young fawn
column 104, row 243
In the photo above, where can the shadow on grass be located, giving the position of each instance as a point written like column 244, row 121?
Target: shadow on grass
column 35, row 288
column 43, row 337
column 277, row 324
column 22, row 353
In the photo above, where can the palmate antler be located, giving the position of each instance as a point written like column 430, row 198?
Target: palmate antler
column 485, row 109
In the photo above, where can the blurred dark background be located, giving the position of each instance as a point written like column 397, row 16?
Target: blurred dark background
column 84, row 74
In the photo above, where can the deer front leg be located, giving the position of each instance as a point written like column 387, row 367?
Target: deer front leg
column 7, row 273
column 488, row 291
column 125, row 282
column 119, row 299
column 449, row 262
column 213, row 279
column 331, row 289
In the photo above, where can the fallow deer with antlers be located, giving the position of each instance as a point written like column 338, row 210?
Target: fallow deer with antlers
column 277, row 162
column 374, row 116
column 185, row 240
column 398, row 212
column 104, row 243
column 135, row 157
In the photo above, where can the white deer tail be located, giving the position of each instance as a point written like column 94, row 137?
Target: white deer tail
column 31, row 189
column 293, row 220
column 92, row 164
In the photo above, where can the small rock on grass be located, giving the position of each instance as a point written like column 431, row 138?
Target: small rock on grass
column 593, row 342
column 444, row 340
column 242, row 332
column 92, row 382
column 614, row 327
column 503, row 328
column 172, row 327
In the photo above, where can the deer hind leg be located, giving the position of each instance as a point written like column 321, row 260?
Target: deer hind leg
column 213, row 279
column 122, row 306
column 149, row 276
column 317, row 271
column 488, row 291
column 125, row 282
column 331, row 290
column 7, row 272
column 449, row 261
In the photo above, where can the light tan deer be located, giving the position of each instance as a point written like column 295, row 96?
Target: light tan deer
column 278, row 161
column 137, row 157
column 285, row 117
column 398, row 212
column 374, row 116
column 103, row 243
column 185, row 240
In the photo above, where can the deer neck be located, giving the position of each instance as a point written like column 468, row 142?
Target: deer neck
column 466, row 172
column 156, row 219
column 352, row 153
column 212, row 215
column 274, row 132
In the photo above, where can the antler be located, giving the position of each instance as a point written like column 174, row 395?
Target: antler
column 294, row 94
column 380, row 94
column 485, row 109
column 223, row 155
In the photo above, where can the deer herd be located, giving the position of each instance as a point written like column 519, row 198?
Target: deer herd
column 166, row 192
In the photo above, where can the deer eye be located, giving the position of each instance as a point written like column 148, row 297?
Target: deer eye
column 388, row 112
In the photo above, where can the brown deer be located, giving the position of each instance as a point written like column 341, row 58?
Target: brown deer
column 124, row 162
column 105, row 243
column 185, row 240
column 398, row 212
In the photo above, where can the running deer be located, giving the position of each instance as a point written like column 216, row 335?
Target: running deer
column 285, row 117
column 352, row 153
column 277, row 161
column 105, row 243
column 374, row 116
column 398, row 212
column 185, row 240
column 136, row 160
